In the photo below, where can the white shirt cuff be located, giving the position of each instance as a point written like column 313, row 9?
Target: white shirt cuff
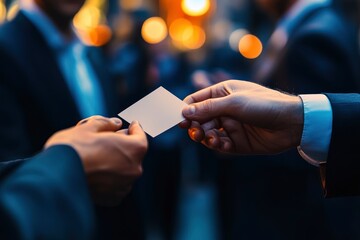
column 316, row 136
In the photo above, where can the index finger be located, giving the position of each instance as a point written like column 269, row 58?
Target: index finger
column 101, row 124
column 199, row 96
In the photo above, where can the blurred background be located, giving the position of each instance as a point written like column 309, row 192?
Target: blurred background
column 187, row 191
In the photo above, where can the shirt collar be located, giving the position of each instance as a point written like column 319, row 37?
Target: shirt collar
column 52, row 35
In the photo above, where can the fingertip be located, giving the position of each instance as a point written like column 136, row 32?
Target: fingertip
column 135, row 128
column 185, row 124
column 189, row 111
column 212, row 140
column 135, row 123
column 226, row 146
column 196, row 134
column 188, row 99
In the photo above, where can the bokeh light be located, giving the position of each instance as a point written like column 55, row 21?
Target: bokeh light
column 2, row 12
column 181, row 30
column 154, row 30
column 235, row 37
column 195, row 7
column 87, row 17
column 185, row 35
column 130, row 5
column 196, row 40
column 13, row 10
column 100, row 35
column 90, row 23
column 250, row 46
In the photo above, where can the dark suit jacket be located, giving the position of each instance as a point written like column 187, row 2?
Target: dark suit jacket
column 42, row 202
column 34, row 96
column 342, row 170
column 314, row 51
column 35, row 102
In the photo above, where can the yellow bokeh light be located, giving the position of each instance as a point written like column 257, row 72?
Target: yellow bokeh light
column 154, row 30
column 2, row 12
column 181, row 29
column 90, row 23
column 96, row 36
column 250, row 46
column 87, row 17
column 195, row 7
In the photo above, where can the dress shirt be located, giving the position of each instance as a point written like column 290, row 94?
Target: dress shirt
column 73, row 62
column 317, row 129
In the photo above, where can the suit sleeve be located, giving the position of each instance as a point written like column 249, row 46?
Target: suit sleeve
column 341, row 173
column 46, row 197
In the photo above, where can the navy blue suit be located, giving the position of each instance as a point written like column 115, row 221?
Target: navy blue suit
column 35, row 102
column 46, row 197
column 34, row 95
column 342, row 170
column 312, row 51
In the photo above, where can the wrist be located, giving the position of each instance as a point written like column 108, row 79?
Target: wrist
column 296, row 120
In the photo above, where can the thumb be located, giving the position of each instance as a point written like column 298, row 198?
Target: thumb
column 102, row 124
column 206, row 110
column 137, row 133
column 136, row 129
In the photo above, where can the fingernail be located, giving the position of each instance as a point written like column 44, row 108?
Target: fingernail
column 84, row 121
column 117, row 121
column 210, row 140
column 190, row 110
column 136, row 122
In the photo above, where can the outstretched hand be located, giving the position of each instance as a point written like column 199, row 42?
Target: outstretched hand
column 245, row 118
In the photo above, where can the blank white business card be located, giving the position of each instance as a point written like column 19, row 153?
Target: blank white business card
column 156, row 112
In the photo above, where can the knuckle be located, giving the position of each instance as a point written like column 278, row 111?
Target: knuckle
column 100, row 119
column 207, row 106
column 143, row 146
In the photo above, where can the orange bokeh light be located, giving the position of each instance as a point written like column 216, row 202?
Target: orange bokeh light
column 100, row 35
column 181, row 30
column 185, row 35
column 197, row 38
column 250, row 46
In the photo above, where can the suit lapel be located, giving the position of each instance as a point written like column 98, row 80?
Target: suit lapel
column 47, row 81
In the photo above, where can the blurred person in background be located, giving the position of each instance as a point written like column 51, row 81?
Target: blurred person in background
column 312, row 49
column 49, row 81
column 127, row 55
